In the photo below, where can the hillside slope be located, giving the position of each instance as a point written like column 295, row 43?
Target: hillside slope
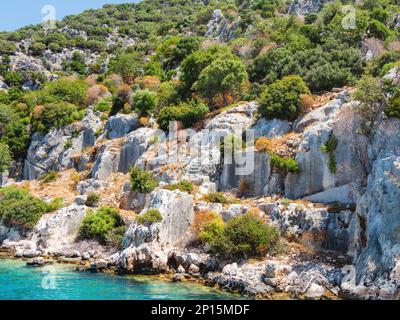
column 284, row 144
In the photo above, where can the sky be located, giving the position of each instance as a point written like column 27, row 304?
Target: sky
column 18, row 13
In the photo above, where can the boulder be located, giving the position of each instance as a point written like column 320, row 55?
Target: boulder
column 314, row 292
column 176, row 208
column 90, row 185
column 233, row 211
column 55, row 232
column 131, row 200
column 107, row 161
column 271, row 128
column 120, row 125
column 137, row 142
column 346, row 194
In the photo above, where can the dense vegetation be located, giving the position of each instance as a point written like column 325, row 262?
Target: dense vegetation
column 20, row 209
column 142, row 181
column 105, row 226
column 172, row 71
column 244, row 236
column 149, row 217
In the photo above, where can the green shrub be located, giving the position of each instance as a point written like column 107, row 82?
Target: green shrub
column 55, row 204
column 49, row 177
column 378, row 29
column 17, row 137
column 92, row 199
column 103, row 106
column 196, row 62
column 184, row 186
column 244, row 236
column 287, row 164
column 127, row 65
column 188, row 113
column 7, row 47
column 5, row 157
column 330, row 147
column 67, row 90
column 149, row 217
column 20, row 209
column 144, row 102
column 68, row 144
column 105, row 226
column 13, row 78
column 218, row 197
column 281, row 99
column 393, row 107
column 370, row 94
column 224, row 76
column 208, row 226
column 142, row 181
column 57, row 115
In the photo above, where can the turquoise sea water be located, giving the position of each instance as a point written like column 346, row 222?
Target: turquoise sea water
column 62, row 282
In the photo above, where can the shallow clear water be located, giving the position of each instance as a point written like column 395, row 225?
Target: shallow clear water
column 55, row 282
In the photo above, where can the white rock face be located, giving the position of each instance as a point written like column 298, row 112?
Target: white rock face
column 341, row 120
column 107, row 161
column 379, row 247
column 145, row 246
column 3, row 178
column 271, row 128
column 137, row 142
column 120, row 125
column 316, row 227
column 177, row 211
column 51, row 151
column 8, row 233
column 219, row 28
column 57, row 232
column 303, row 7
column 90, row 185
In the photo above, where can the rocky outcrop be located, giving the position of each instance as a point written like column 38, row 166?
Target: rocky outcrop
column 107, row 161
column 55, row 234
column 317, row 228
column 137, row 142
column 379, row 224
column 205, row 146
column 120, row 125
column 219, row 28
column 298, row 278
column 339, row 120
column 9, row 233
column 91, row 185
column 145, row 246
column 271, row 128
column 58, row 232
column 59, row 148
column 131, row 200
column 255, row 181
column 303, row 7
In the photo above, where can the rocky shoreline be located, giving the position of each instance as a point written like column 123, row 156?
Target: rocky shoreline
column 351, row 214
